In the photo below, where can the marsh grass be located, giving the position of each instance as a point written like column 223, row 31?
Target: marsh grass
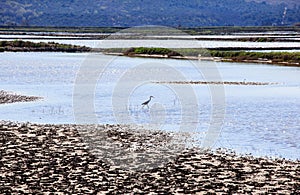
column 19, row 45
column 238, row 56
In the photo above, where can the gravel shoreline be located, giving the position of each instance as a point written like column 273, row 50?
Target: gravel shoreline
column 8, row 97
column 216, row 83
column 38, row 158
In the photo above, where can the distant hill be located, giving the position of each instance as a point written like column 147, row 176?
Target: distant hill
column 288, row 3
column 126, row 13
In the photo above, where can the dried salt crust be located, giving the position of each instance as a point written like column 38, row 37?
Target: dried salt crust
column 56, row 158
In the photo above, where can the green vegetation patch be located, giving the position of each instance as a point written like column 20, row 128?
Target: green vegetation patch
column 151, row 51
column 19, row 45
column 238, row 56
column 293, row 57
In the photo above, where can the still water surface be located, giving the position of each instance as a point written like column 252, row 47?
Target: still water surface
column 262, row 120
column 189, row 43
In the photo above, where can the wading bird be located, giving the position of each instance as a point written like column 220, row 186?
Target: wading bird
column 147, row 102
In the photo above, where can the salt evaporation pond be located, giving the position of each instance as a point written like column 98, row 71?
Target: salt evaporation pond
column 262, row 120
column 189, row 43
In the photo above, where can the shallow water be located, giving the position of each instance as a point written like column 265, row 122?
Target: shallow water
column 262, row 120
column 107, row 43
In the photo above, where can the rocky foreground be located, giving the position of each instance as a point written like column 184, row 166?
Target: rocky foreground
column 7, row 97
column 68, row 159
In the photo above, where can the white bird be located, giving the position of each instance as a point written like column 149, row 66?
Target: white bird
column 147, row 102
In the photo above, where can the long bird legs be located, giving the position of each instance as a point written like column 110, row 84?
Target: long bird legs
column 147, row 102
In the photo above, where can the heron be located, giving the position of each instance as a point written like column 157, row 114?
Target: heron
column 147, row 102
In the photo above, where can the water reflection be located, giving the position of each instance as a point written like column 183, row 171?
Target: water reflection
column 262, row 120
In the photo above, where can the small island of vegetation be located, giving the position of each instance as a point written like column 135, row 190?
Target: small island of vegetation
column 276, row 57
column 288, row 58
column 26, row 46
column 283, row 58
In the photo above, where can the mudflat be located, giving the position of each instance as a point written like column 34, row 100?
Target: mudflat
column 42, row 158
column 9, row 97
